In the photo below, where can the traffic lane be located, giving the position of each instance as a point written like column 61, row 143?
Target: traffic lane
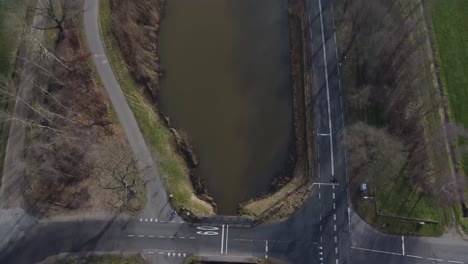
column 365, row 236
column 50, row 239
column 335, row 226
column 297, row 252
column 305, row 223
column 321, row 98
column 280, row 231
column 324, row 160
column 437, row 248
column 362, row 256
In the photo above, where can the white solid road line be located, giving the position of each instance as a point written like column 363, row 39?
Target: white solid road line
column 328, row 91
column 403, row 245
column 377, row 251
column 222, row 240
column 227, row 238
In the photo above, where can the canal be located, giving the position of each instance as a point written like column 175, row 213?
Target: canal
column 227, row 84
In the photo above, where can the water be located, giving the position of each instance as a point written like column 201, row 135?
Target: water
column 228, row 86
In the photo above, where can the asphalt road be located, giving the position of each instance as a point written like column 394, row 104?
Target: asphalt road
column 322, row 231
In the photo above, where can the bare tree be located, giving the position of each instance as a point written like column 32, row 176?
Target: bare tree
column 118, row 171
column 55, row 13
column 374, row 153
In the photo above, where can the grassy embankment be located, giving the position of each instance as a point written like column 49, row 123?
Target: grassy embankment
column 104, row 259
column 196, row 260
column 12, row 22
column 449, row 23
column 172, row 166
column 399, row 199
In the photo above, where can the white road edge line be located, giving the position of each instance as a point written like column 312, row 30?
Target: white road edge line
column 403, row 245
column 328, row 90
column 222, row 240
column 227, row 238
column 377, row 251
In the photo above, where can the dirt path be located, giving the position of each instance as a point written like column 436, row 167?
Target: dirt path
column 11, row 191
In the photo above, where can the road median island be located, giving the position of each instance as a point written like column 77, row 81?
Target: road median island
column 391, row 98
column 289, row 195
column 174, row 170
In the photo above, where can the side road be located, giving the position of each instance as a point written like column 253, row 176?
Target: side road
column 157, row 205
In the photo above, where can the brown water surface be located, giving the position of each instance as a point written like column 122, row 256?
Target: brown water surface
column 228, row 86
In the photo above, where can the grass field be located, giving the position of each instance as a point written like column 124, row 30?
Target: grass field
column 172, row 166
column 449, row 23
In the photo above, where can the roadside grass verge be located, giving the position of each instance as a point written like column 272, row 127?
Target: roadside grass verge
column 390, row 204
column 104, row 259
column 450, row 34
column 173, row 169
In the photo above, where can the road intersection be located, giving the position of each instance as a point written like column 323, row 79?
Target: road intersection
column 324, row 230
